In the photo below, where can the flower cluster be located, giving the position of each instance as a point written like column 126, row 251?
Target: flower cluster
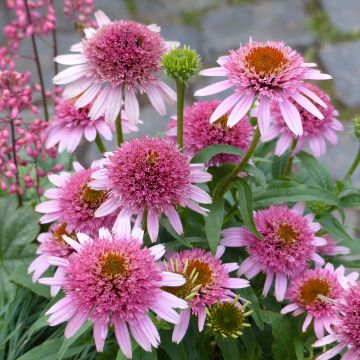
column 80, row 11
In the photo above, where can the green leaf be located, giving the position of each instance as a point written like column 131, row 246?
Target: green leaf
column 258, row 175
column 174, row 351
column 213, row 224
column 140, row 354
column 283, row 333
column 350, row 200
column 249, row 294
column 246, row 206
column 299, row 348
column 229, row 348
column 317, row 171
column 205, row 155
column 166, row 225
column 68, row 342
column 332, row 226
column 46, row 351
column 21, row 277
column 279, row 192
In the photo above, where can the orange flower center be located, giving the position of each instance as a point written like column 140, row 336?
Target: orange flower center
column 222, row 122
column 113, row 265
column 94, row 198
column 266, row 60
column 312, row 288
column 60, row 231
column 287, row 234
column 151, row 157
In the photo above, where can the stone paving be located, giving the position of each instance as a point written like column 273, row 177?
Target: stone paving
column 326, row 31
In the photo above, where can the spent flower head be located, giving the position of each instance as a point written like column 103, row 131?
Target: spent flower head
column 181, row 63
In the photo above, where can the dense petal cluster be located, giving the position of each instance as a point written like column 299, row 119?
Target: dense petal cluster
column 269, row 72
column 200, row 133
column 113, row 62
column 113, row 280
column 74, row 203
column 315, row 131
column 79, row 10
column 207, row 282
column 346, row 327
column 150, row 174
column 289, row 243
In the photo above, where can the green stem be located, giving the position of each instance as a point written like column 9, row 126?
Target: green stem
column 180, row 92
column 119, row 132
column 353, row 166
column 100, row 144
column 290, row 159
column 220, row 191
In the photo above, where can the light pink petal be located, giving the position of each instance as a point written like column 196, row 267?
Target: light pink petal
column 156, row 100
column 76, row 88
column 57, row 261
column 75, row 324
column 234, row 237
column 71, row 59
column 169, row 94
column 174, row 219
column 337, row 125
column 39, row 266
column 88, row 96
column 101, row 18
column 149, row 330
column 90, row 133
column 312, row 96
column 246, row 265
column 168, row 300
column 325, row 340
column 74, row 244
column 53, row 193
column 313, row 74
column 268, row 283
column 157, row 251
column 234, row 283
column 166, row 314
column 283, row 143
column 280, row 287
column 264, row 116
column 47, row 218
column 214, row 88
column 100, row 333
column 113, row 105
column 253, row 271
column 319, row 241
column 240, row 109
column 122, row 225
column 332, row 352
column 71, row 74
column 199, row 195
column 201, row 319
column 61, row 315
column 272, row 133
column 50, row 206
column 307, row 322
column 318, row 328
column 220, row 251
column 289, row 308
column 181, row 327
column 230, row 267
column 131, row 106
column 308, row 105
column 299, row 208
column 349, row 355
column 317, row 146
column 225, row 106
column 331, row 136
column 153, row 225
column 291, row 116
column 77, row 166
column 172, row 279
column 74, row 139
column 54, row 290
column 215, row 71
column 122, row 336
column 107, row 207
column 103, row 129
column 139, row 336
column 98, row 108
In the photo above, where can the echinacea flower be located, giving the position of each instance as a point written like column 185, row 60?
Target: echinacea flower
column 115, row 61
column 289, row 243
column 200, row 133
column 207, row 282
column 51, row 244
column 305, row 291
column 269, row 72
column 315, row 131
column 113, row 280
column 331, row 248
column 346, row 327
column 70, row 125
column 152, row 175
column 73, row 202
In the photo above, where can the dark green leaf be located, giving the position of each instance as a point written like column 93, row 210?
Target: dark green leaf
column 205, row 155
column 166, row 225
column 350, row 200
column 258, row 175
column 246, row 206
column 213, row 224
column 316, row 171
column 332, row 226
column 46, row 351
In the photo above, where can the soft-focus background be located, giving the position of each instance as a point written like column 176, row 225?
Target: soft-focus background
column 325, row 31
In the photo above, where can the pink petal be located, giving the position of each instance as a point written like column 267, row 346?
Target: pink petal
column 201, row 319
column 90, row 133
column 180, row 328
column 71, row 59
column 103, row 129
column 234, row 283
column 307, row 322
column 131, row 106
column 100, row 333
column 214, row 88
column 88, row 96
column 76, row 88
column 107, row 207
column 172, row 279
column 174, row 219
column 225, row 106
column 98, row 108
column 283, row 143
column 291, row 116
column 75, row 324
column 101, row 18
column 156, row 100
column 264, row 115
column 71, row 74
column 280, row 287
column 215, row 71
column 122, row 335
column 50, row 206
column 113, row 104
column 153, row 225
column 289, row 308
column 308, row 105
column 240, row 109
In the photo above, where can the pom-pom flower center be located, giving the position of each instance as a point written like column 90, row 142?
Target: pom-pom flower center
column 113, row 265
column 312, row 288
column 287, row 235
column 60, row 231
column 94, row 198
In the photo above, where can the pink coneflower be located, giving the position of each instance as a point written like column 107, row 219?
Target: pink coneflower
column 51, row 244
column 200, row 133
column 346, row 327
column 119, row 59
column 315, row 131
column 70, row 125
column 331, row 248
column 113, row 280
column 207, row 282
column 304, row 294
column 289, row 243
column 150, row 175
column 73, row 202
column 266, row 71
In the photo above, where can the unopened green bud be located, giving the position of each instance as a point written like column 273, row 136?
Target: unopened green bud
column 181, row 63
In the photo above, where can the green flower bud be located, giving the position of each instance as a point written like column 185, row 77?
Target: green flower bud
column 318, row 207
column 181, row 64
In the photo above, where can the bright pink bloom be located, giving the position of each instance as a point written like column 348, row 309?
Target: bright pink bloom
column 331, row 248
column 288, row 245
column 79, row 10
column 70, row 125
column 113, row 280
column 315, row 131
column 266, row 71
column 152, row 175
column 304, row 291
column 346, row 327
column 207, row 282
column 74, row 203
column 51, row 244
column 200, row 133
column 119, row 59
